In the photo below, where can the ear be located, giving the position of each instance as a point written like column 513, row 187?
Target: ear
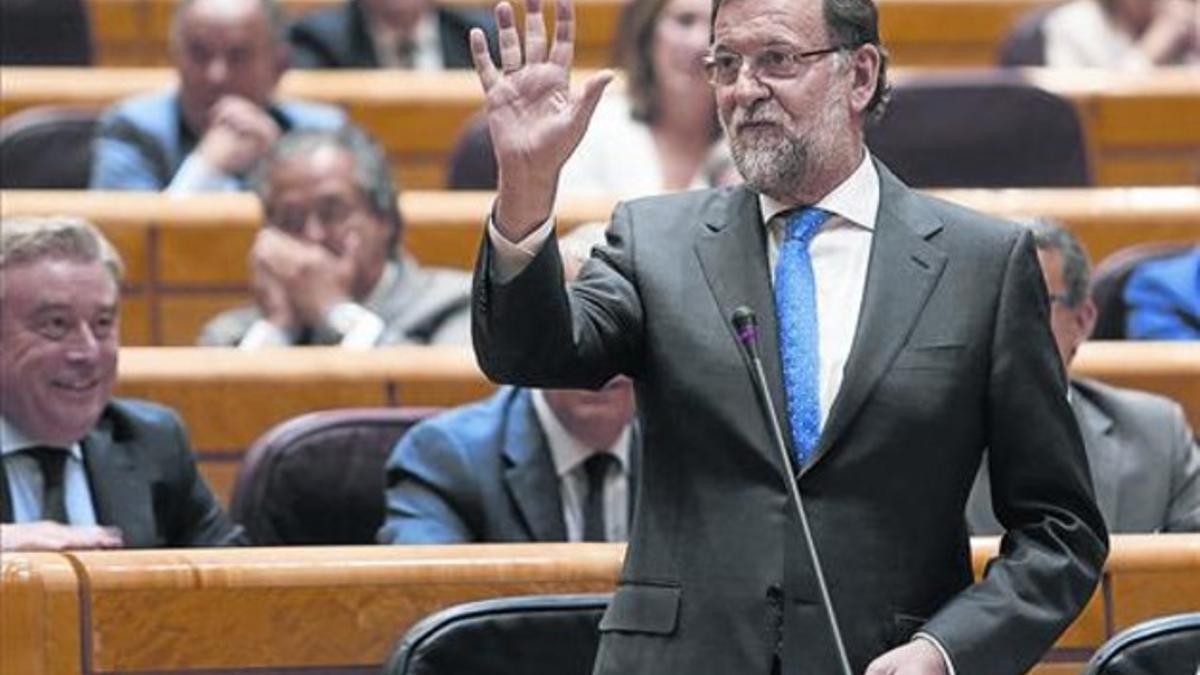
column 283, row 60
column 1085, row 315
column 864, row 66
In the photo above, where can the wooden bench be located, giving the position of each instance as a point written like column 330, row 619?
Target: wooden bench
column 1141, row 129
column 916, row 32
column 342, row 609
column 185, row 256
column 228, row 397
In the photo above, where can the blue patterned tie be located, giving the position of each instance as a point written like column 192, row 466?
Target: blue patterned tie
column 796, row 307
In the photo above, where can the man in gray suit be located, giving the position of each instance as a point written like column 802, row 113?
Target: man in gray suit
column 908, row 337
column 328, row 268
column 1144, row 461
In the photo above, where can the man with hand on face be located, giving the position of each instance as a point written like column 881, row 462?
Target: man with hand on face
column 409, row 34
column 900, row 336
column 523, row 465
column 328, row 267
column 207, row 134
column 78, row 468
column 1145, row 464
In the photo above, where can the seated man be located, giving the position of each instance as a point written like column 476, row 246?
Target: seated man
column 209, row 132
column 80, row 469
column 1144, row 460
column 328, row 268
column 523, row 465
column 1163, row 297
column 413, row 34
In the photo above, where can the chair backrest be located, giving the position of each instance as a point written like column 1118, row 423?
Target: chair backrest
column 524, row 635
column 47, row 147
column 1108, row 285
column 45, row 33
column 980, row 129
column 1025, row 44
column 318, row 478
column 1168, row 645
column 473, row 161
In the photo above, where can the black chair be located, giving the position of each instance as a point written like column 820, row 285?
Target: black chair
column 1168, row 645
column 1108, row 285
column 984, row 129
column 45, row 33
column 473, row 161
column 524, row 635
column 47, row 147
column 318, row 478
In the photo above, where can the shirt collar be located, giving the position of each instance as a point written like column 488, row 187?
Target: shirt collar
column 13, row 440
column 567, row 451
column 855, row 199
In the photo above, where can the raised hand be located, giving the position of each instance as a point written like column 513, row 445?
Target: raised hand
column 536, row 121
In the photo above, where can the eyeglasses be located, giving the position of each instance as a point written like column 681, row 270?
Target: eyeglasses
column 774, row 63
column 331, row 213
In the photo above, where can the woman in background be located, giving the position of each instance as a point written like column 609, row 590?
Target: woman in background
column 1123, row 34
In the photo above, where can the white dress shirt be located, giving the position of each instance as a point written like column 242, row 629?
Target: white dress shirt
column 25, row 485
column 569, row 455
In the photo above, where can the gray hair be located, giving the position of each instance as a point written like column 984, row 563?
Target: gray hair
column 372, row 171
column 851, row 23
column 277, row 19
column 29, row 239
column 1049, row 235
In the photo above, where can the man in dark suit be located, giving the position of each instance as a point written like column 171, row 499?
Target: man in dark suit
column 1145, row 465
column 79, row 469
column 930, row 343
column 522, row 465
column 412, row 34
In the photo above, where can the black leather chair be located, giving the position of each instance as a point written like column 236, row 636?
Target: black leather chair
column 984, row 129
column 318, row 478
column 1108, row 285
column 1168, row 645
column 45, row 33
column 47, row 147
column 524, row 635
column 473, row 161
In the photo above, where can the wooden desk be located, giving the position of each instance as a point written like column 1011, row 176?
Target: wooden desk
column 1171, row 369
column 344, row 608
column 185, row 256
column 1142, row 129
column 916, row 32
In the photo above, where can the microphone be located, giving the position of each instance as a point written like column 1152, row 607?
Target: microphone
column 745, row 325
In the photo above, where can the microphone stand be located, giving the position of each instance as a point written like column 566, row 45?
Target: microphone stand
column 745, row 325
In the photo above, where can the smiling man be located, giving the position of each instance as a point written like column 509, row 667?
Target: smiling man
column 80, row 469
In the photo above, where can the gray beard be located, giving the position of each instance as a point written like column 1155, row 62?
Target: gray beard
column 776, row 167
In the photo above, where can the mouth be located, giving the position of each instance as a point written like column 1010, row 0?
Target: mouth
column 76, row 386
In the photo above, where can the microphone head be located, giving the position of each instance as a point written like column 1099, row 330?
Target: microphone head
column 745, row 324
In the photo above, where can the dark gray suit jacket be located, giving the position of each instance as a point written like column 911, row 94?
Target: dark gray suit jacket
column 1144, row 461
column 952, row 354
column 338, row 37
column 143, row 479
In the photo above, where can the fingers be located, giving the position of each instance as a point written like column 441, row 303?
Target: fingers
column 510, row 43
column 484, row 68
column 593, row 89
column 535, row 32
column 563, row 51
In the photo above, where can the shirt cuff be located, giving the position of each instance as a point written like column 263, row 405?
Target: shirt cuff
column 359, row 327
column 511, row 258
column 197, row 175
column 941, row 650
column 263, row 333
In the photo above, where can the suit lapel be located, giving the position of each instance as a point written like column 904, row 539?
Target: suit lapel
column 530, row 477
column 1103, row 452
column 120, row 498
column 732, row 250
column 904, row 268
column 6, row 514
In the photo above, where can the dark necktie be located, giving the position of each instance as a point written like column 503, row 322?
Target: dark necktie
column 796, row 309
column 596, row 468
column 52, row 462
column 406, row 53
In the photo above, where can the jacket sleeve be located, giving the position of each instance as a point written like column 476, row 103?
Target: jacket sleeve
column 428, row 490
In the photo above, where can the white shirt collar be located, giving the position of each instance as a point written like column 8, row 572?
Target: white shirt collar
column 567, row 451
column 855, row 199
column 13, row 440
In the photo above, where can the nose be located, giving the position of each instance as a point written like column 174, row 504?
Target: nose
column 85, row 346
column 748, row 88
column 216, row 71
column 314, row 229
